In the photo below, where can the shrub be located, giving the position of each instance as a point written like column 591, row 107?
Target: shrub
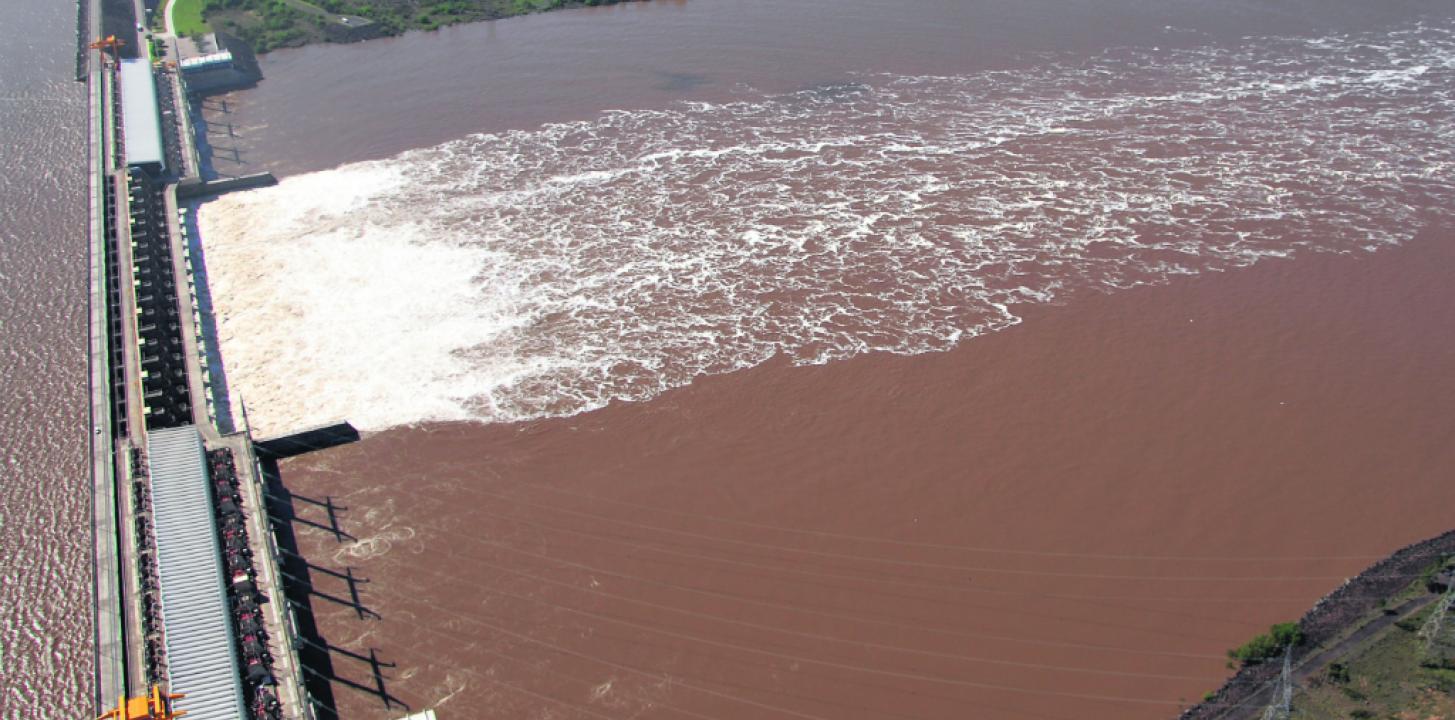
column 1268, row 645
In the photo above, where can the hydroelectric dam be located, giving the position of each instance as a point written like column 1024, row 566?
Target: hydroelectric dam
column 191, row 612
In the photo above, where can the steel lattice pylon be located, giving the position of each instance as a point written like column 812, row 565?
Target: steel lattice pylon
column 1282, row 703
column 1435, row 624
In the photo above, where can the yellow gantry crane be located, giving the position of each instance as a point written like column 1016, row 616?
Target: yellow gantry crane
column 156, row 706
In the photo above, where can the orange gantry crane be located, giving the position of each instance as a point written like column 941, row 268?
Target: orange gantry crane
column 112, row 43
column 156, row 706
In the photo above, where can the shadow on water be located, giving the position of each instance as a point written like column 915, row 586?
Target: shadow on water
column 217, row 139
column 324, row 664
column 680, row 81
column 331, row 527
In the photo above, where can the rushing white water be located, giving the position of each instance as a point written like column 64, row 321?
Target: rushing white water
column 518, row 275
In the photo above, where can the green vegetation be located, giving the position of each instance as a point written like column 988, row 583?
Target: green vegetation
column 1268, row 645
column 1427, row 578
column 1382, row 679
column 269, row 24
column 187, row 16
column 264, row 24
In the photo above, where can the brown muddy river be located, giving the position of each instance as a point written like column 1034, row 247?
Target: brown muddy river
column 846, row 359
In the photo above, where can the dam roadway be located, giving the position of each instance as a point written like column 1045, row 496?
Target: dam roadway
column 188, row 592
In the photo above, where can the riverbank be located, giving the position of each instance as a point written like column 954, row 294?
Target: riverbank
column 1336, row 625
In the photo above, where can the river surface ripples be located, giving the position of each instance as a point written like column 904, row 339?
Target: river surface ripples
column 535, row 273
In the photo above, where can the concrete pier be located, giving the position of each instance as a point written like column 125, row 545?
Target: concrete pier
column 197, row 187
column 320, row 437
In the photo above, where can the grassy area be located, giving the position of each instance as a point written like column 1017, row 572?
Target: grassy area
column 269, row 24
column 1383, row 680
column 187, row 17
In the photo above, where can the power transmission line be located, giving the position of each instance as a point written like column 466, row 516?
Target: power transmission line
column 909, row 563
column 906, row 543
column 944, row 546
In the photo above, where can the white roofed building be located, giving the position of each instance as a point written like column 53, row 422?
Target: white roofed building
column 141, row 121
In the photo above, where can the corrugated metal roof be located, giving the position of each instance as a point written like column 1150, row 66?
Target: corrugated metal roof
column 205, row 61
column 201, row 654
column 141, row 122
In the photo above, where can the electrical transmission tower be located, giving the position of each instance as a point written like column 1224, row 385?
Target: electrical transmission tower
column 1282, row 704
column 1430, row 632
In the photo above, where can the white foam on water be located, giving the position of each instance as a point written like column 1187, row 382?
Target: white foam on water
column 529, row 274
column 396, row 309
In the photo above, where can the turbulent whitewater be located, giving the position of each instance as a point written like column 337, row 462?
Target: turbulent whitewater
column 519, row 275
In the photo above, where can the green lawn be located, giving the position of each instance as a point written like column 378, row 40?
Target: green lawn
column 187, row 16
